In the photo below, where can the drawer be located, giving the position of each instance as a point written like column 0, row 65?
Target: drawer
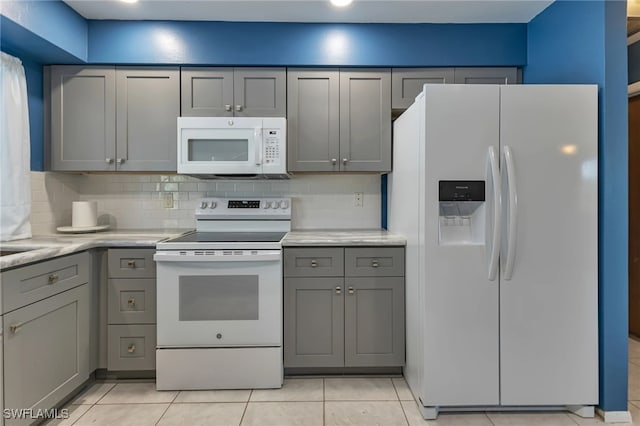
column 131, row 263
column 374, row 262
column 29, row 284
column 131, row 347
column 132, row 301
column 314, row 262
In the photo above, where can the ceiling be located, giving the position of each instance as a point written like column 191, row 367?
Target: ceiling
column 392, row 11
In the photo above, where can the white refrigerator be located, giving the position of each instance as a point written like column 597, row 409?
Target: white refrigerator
column 496, row 189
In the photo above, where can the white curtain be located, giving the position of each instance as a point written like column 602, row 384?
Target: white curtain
column 15, row 152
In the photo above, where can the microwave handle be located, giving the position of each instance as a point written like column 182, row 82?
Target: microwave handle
column 258, row 138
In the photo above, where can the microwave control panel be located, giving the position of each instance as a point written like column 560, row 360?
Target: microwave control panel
column 272, row 145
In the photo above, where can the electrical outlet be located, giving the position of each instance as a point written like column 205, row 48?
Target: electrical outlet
column 167, row 200
column 358, row 199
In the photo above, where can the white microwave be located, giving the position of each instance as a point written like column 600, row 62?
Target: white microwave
column 243, row 147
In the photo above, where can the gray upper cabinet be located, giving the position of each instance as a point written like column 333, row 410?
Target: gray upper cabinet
column 339, row 120
column 313, row 120
column 227, row 92
column 486, row 75
column 406, row 83
column 365, row 120
column 113, row 118
column 83, row 118
column 148, row 105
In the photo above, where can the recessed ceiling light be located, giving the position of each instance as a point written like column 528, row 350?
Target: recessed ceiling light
column 341, row 3
column 129, row 1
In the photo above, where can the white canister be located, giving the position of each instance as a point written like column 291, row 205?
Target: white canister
column 84, row 214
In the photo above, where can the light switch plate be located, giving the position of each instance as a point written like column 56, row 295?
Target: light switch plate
column 358, row 199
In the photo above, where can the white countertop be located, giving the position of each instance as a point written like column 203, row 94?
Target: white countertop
column 43, row 247
column 343, row 237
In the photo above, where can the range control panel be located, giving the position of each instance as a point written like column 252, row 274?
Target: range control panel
column 243, row 208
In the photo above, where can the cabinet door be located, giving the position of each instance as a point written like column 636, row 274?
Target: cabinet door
column 147, row 105
column 260, row 92
column 83, row 118
column 313, row 117
column 365, row 120
column 506, row 75
column 206, row 92
column 406, row 83
column 46, row 350
column 313, row 322
column 374, row 322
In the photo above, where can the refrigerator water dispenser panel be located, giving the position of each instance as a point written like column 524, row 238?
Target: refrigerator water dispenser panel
column 461, row 212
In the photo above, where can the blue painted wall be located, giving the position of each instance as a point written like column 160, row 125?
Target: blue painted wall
column 52, row 22
column 294, row 44
column 585, row 42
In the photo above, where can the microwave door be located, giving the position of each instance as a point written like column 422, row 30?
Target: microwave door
column 220, row 151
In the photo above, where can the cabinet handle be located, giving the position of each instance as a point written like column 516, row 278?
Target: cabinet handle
column 344, row 160
column 119, row 160
column 374, row 263
column 132, row 302
column 227, row 107
column 238, row 108
column 314, row 263
column 131, row 264
column 52, row 278
column 131, row 349
column 16, row 327
column 334, row 161
column 351, row 290
column 108, row 160
column 338, row 290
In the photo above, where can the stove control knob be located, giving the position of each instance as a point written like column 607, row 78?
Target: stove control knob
column 213, row 205
column 204, row 205
column 275, row 205
column 266, row 204
column 284, row 204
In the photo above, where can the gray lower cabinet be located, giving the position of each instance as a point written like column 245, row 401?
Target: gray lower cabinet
column 339, row 120
column 112, row 118
column 228, row 92
column 350, row 317
column 46, row 351
column 131, row 310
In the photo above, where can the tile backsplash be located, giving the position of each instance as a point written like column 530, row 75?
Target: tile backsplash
column 137, row 201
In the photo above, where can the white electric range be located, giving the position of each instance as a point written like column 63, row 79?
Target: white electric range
column 219, row 297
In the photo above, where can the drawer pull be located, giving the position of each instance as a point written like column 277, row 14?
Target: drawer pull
column 52, row 278
column 132, row 302
column 351, row 290
column 314, row 263
column 14, row 328
column 338, row 290
column 131, row 264
column 374, row 263
column 131, row 349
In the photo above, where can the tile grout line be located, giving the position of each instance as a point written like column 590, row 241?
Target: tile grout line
column 94, row 404
column 393, row 383
column 246, row 407
column 168, row 406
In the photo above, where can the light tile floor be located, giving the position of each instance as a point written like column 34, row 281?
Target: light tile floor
column 301, row 401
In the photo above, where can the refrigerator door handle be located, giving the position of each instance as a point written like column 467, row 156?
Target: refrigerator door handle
column 493, row 175
column 512, row 214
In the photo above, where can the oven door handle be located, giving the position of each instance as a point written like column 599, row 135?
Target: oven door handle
column 272, row 256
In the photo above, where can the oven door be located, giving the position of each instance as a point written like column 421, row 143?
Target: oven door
column 219, row 300
column 204, row 148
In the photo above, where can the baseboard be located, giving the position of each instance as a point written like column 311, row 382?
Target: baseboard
column 615, row 416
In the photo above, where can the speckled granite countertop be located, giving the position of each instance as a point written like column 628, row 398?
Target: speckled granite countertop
column 43, row 247
column 343, row 237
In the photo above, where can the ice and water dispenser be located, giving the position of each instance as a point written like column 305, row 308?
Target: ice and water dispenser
column 462, row 212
